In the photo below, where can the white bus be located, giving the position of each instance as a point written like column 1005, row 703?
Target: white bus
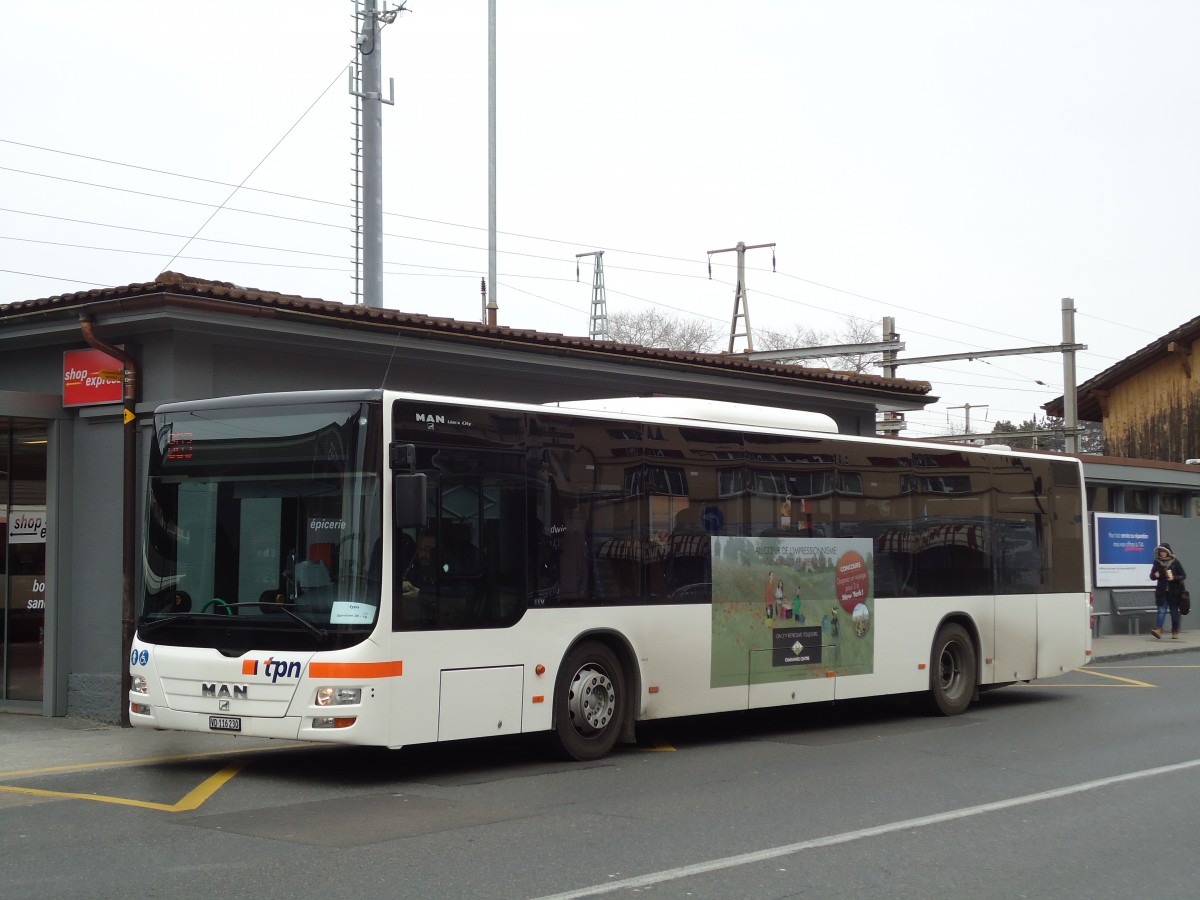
column 387, row 568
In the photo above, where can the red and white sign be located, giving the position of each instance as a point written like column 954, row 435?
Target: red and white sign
column 90, row 377
column 851, row 580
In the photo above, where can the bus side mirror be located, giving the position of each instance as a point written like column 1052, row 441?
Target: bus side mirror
column 408, row 501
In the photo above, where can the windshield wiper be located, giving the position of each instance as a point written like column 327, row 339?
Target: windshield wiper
column 152, row 625
column 319, row 633
column 148, row 626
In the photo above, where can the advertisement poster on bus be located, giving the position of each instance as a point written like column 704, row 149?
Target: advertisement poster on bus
column 1125, row 545
column 805, row 604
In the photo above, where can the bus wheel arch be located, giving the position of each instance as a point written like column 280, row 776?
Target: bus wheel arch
column 953, row 667
column 594, row 695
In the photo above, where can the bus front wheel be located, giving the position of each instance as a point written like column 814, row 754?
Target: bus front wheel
column 589, row 703
column 953, row 671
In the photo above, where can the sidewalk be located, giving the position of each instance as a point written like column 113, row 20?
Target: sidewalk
column 32, row 745
column 1131, row 646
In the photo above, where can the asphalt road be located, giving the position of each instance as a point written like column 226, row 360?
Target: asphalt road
column 1087, row 785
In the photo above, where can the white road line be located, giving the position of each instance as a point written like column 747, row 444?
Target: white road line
column 730, row 862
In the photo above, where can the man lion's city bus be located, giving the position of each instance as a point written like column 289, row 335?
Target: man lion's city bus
column 385, row 568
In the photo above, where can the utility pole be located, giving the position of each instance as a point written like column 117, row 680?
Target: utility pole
column 491, row 139
column 598, row 323
column 1067, row 348
column 968, row 407
column 366, row 84
column 1070, row 400
column 741, row 306
column 490, row 309
column 893, row 422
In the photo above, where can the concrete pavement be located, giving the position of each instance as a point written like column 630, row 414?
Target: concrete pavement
column 33, row 745
column 1130, row 646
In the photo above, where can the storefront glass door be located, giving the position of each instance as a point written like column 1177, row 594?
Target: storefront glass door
column 23, row 562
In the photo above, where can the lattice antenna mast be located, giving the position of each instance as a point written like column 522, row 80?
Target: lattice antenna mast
column 598, row 323
column 367, row 89
column 356, row 157
column 741, row 305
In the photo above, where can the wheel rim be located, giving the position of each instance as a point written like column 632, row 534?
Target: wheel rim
column 591, row 700
column 951, row 672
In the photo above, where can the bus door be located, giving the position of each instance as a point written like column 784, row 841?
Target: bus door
column 459, row 578
column 466, row 568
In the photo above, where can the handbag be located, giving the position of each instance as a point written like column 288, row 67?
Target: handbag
column 1185, row 603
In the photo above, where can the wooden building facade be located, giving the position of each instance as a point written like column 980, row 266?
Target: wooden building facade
column 1149, row 403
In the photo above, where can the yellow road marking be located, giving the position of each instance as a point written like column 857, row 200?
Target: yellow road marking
column 1078, row 684
column 1124, row 682
column 657, row 748
column 1144, row 667
column 148, row 760
column 190, row 801
column 1129, row 681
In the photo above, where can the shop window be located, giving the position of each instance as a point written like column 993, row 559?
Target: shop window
column 1170, row 504
column 1100, row 498
column 22, row 557
column 1137, row 502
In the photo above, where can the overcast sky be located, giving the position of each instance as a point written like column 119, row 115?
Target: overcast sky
column 961, row 166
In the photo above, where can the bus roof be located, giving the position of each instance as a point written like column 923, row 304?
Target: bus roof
column 715, row 411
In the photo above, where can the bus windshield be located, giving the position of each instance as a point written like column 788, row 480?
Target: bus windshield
column 263, row 527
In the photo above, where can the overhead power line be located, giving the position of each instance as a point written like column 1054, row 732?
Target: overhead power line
column 822, row 285
column 257, row 166
column 467, row 269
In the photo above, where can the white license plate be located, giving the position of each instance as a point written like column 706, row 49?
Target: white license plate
column 224, row 723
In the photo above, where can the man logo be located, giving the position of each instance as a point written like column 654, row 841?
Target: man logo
column 223, row 705
column 225, row 691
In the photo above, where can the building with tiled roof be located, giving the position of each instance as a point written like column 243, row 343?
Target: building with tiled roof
column 74, row 438
column 1149, row 402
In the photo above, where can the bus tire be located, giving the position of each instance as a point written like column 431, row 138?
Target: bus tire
column 589, row 702
column 953, row 671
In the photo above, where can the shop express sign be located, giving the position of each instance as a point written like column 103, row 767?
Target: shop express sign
column 90, row 377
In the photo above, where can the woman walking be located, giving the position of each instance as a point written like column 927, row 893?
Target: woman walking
column 1168, row 575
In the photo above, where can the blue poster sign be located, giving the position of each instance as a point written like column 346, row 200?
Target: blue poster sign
column 1124, row 549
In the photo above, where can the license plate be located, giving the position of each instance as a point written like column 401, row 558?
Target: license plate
column 224, row 723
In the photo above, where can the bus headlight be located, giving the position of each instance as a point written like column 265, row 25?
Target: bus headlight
column 137, row 684
column 338, row 696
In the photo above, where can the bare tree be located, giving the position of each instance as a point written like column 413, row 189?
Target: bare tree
column 651, row 328
column 1047, row 433
column 853, row 331
column 796, row 336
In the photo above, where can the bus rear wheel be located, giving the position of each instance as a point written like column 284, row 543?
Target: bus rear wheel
column 953, row 676
column 589, row 703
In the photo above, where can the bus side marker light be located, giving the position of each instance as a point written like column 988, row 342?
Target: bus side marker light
column 539, row 698
column 920, row 667
column 831, row 674
column 987, row 662
column 653, row 689
column 540, row 669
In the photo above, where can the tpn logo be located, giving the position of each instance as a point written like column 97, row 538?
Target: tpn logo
column 273, row 668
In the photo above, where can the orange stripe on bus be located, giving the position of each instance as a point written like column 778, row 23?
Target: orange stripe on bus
column 356, row 670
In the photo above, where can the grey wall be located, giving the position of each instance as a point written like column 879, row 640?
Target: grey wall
column 92, row 597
